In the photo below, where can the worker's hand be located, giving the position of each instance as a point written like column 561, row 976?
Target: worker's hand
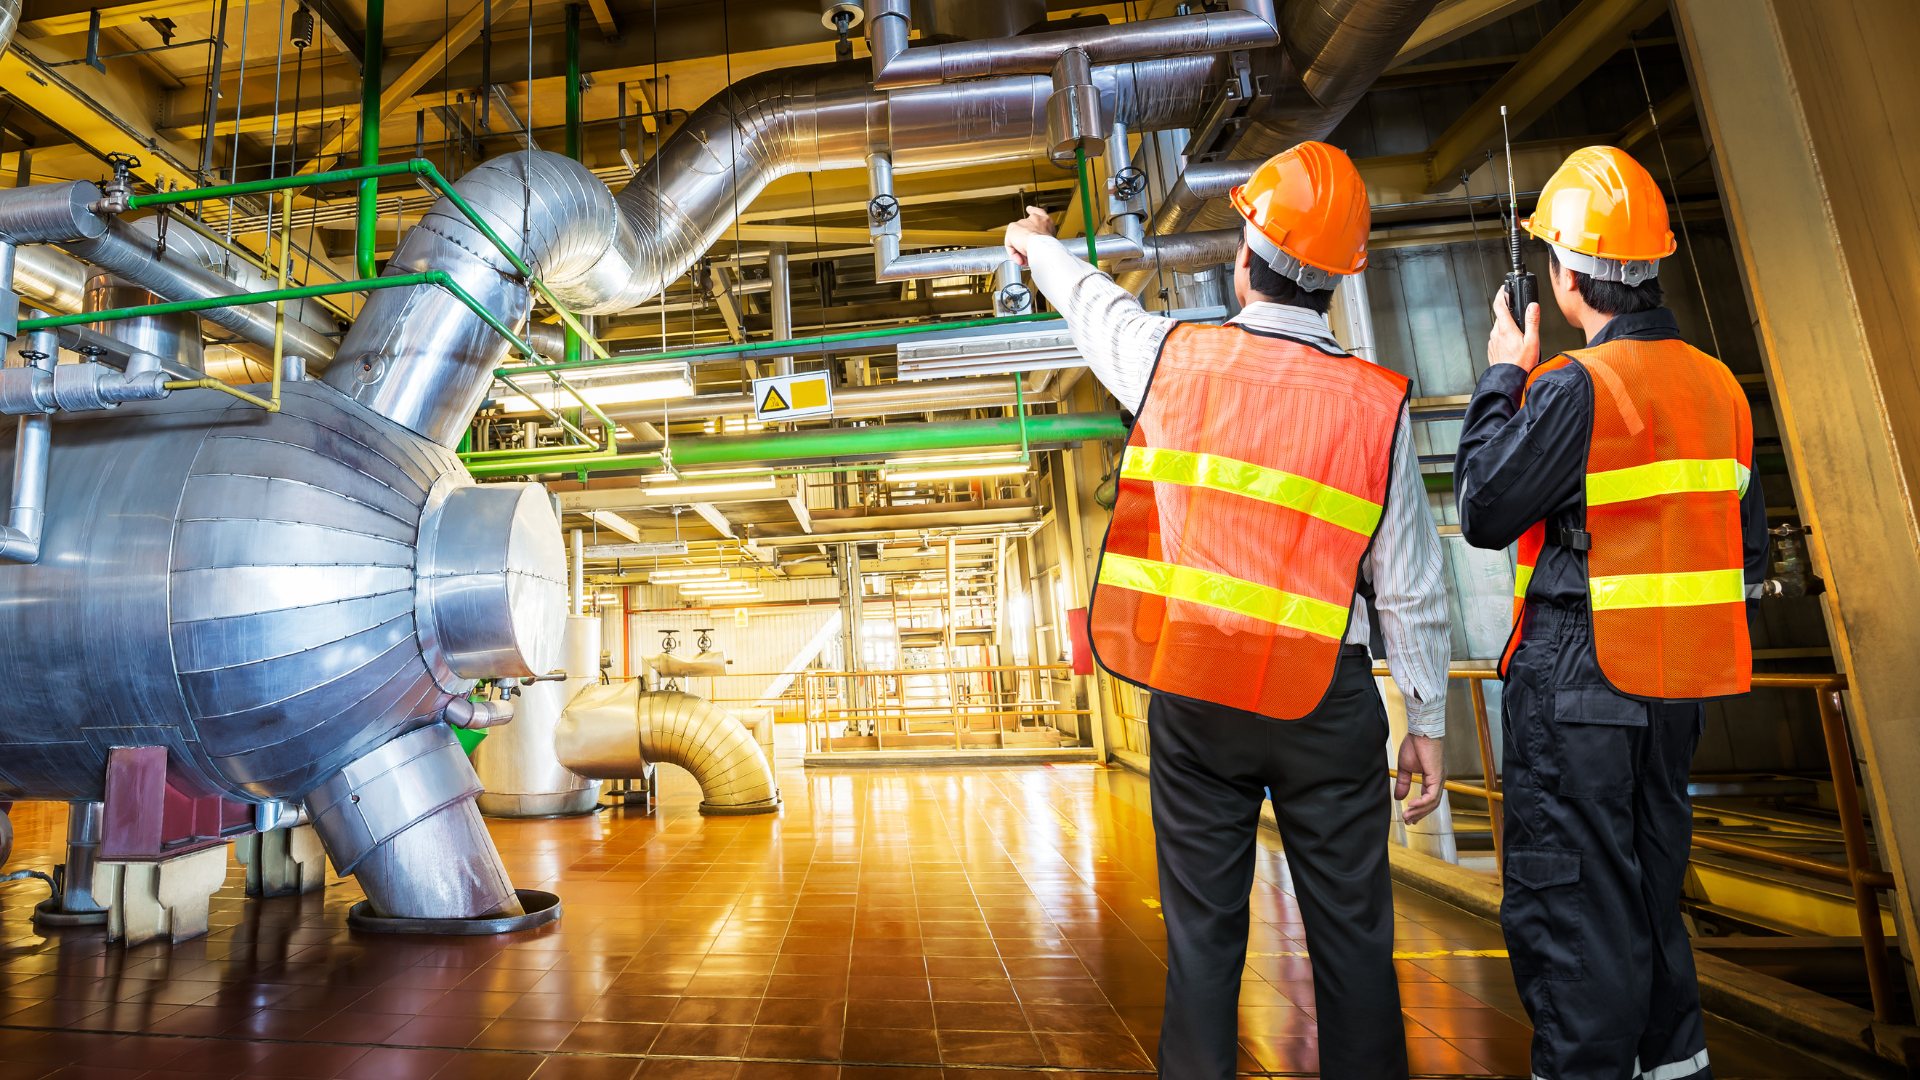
column 1508, row 344
column 1419, row 754
column 1036, row 223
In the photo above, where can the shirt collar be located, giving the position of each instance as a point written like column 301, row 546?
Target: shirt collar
column 1287, row 319
column 1655, row 325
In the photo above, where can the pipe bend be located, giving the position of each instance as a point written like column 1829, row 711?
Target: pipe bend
column 615, row 732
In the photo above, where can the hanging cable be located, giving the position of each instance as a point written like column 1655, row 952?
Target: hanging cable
column 1654, row 118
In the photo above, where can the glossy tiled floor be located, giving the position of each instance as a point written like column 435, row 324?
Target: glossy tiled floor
column 886, row 926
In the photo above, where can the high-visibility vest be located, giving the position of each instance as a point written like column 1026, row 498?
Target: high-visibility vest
column 1250, row 489
column 1670, row 457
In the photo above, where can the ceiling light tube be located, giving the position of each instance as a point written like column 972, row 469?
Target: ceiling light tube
column 711, row 489
column 961, row 473
column 689, row 573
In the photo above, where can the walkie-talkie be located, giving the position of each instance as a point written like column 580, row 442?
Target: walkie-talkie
column 1522, row 287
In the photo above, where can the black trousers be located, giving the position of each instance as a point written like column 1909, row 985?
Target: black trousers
column 1212, row 767
column 1598, row 826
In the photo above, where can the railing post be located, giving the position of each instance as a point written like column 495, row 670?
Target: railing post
column 1476, row 688
column 1866, row 899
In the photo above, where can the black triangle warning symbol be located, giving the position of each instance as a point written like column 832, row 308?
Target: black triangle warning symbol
column 774, row 402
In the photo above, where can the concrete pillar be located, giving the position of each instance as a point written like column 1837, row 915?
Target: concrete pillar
column 1813, row 111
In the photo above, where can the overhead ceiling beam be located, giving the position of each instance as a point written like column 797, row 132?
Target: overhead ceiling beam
column 430, row 63
column 1451, row 20
column 104, row 113
column 344, row 33
column 1571, row 51
column 51, row 19
column 603, row 17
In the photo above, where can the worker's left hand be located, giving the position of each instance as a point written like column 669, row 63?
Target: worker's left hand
column 1511, row 344
column 1419, row 754
column 1036, row 223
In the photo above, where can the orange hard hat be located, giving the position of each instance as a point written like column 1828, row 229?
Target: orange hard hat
column 1602, row 203
column 1310, row 205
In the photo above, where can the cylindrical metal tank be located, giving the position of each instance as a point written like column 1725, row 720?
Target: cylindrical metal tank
column 273, row 598
column 516, row 762
column 173, row 337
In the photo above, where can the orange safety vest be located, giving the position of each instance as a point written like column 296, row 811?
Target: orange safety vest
column 1252, row 484
column 1671, row 455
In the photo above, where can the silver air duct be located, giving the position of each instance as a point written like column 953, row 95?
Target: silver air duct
column 615, row 732
column 418, row 357
column 1335, row 50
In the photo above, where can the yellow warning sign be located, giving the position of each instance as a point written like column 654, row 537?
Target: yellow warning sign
column 793, row 397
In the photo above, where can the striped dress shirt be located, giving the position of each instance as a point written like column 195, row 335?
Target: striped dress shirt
column 1120, row 341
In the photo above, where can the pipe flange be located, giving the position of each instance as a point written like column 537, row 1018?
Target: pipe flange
column 882, row 209
column 541, row 909
column 47, row 914
column 764, row 806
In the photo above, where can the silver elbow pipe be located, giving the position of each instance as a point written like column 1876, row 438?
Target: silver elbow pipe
column 32, row 453
column 617, row 732
column 1248, row 24
column 9, row 22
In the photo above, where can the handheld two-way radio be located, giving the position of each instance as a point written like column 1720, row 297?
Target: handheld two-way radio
column 1522, row 287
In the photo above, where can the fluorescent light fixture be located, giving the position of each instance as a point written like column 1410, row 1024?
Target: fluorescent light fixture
column 764, row 484
column 651, row 549
column 958, row 473
column 689, row 573
column 725, row 599
column 696, row 474
column 717, row 586
column 622, row 384
column 952, row 459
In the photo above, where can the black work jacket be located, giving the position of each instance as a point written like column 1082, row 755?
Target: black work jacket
column 1521, row 464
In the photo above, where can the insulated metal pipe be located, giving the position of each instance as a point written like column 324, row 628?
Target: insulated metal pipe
column 782, row 301
column 32, row 453
column 577, row 591
column 50, row 279
column 1248, row 24
column 1181, row 251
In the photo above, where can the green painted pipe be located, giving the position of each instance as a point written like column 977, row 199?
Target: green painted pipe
column 795, row 346
column 573, row 81
column 1086, row 206
column 369, row 209
column 279, row 183
column 868, row 442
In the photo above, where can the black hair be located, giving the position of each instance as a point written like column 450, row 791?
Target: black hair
column 1612, row 298
column 1280, row 289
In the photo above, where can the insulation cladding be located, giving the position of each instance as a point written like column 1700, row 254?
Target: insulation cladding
column 240, row 587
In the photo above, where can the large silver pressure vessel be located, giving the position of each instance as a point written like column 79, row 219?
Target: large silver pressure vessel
column 268, row 596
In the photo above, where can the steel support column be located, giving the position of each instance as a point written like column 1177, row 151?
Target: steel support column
column 1814, row 116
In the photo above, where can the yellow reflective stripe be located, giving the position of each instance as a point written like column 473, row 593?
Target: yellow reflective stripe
column 1329, row 504
column 1227, row 593
column 1668, row 590
column 1665, row 478
column 1522, row 574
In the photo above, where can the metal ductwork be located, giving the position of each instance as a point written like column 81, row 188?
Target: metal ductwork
column 1335, row 50
column 418, row 357
column 615, row 732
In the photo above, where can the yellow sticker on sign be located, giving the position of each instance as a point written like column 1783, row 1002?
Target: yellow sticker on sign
column 793, row 397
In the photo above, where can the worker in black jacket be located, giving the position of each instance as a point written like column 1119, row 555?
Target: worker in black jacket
column 1623, row 472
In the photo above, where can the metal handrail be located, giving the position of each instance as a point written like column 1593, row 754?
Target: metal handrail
column 1859, row 872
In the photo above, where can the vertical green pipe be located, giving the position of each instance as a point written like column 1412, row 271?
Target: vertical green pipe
column 369, row 210
column 573, row 81
column 1086, row 204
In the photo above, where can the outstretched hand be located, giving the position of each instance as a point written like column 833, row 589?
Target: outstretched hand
column 1509, row 344
column 1036, row 223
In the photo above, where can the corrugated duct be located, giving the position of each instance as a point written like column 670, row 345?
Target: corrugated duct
column 614, row 732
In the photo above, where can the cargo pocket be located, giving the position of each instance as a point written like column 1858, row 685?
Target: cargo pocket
column 1595, row 742
column 1541, row 912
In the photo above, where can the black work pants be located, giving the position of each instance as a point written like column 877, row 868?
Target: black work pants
column 1212, row 767
column 1598, row 826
